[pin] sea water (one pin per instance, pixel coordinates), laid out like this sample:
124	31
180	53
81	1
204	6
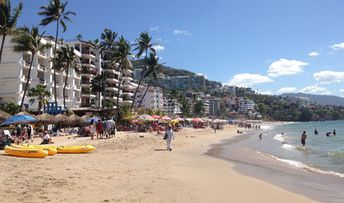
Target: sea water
322	154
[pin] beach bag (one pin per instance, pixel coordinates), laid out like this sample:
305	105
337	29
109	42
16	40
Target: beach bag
165	136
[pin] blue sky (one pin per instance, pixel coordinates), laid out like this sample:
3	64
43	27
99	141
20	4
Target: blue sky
272	46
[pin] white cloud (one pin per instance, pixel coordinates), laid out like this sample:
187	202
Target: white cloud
313	53
158	48
182	32
248	80
283	67
337	46
341	90
314	89
154	28
286	90
328	77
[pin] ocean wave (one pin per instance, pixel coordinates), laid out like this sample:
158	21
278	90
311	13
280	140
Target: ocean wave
300	165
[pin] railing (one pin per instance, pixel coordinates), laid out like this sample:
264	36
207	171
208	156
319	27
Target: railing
42	81
42	53
78	99
42	67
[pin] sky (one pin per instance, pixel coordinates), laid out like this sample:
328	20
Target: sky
272	46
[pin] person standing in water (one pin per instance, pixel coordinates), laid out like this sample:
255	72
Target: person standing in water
303	138
315	131
334	132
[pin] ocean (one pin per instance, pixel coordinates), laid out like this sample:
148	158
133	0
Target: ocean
322	154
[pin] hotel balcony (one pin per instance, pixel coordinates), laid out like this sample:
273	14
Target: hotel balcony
88	54
130	94
77	87
77	99
126	78
41	67
88	93
88	63
42	54
23	78
112	80
113	71
128	71
42	81
111	88
127	102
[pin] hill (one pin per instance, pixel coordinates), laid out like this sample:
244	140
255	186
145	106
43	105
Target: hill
319	99
171	71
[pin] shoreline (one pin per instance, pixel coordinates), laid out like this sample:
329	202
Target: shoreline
317	186
135	167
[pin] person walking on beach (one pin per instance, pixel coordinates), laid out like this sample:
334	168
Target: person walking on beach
169	137
303	138
260	136
99	129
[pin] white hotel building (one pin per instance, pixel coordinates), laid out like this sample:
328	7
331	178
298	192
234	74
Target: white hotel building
15	66
153	98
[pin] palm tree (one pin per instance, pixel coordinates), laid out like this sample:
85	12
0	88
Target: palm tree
143	45
106	45
8	21
152	73
121	55
41	94
79	37
28	40
98	85
67	60
55	11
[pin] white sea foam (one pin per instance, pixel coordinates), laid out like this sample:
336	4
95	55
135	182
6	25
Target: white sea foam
266	127
300	165
280	137
288	147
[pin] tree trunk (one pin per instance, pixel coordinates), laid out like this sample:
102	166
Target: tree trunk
144	95
54	60
39	107
64	88
103	85
28	80
137	89
141	78
2	47
118	91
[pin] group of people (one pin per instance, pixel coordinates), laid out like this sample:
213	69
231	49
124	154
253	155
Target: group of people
101	129
304	135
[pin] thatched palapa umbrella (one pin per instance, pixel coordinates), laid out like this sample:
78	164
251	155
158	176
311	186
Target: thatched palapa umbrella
74	119
60	118
4	116
46	119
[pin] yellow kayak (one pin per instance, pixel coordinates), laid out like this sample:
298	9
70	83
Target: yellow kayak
75	149
31	153
51	150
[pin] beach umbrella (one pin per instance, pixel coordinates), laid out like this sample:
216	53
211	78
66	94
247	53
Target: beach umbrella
156	116
45	118
166	118
4	115
197	120
86	118
174	121
145	117
19	119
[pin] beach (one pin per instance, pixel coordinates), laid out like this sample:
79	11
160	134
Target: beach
135	167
